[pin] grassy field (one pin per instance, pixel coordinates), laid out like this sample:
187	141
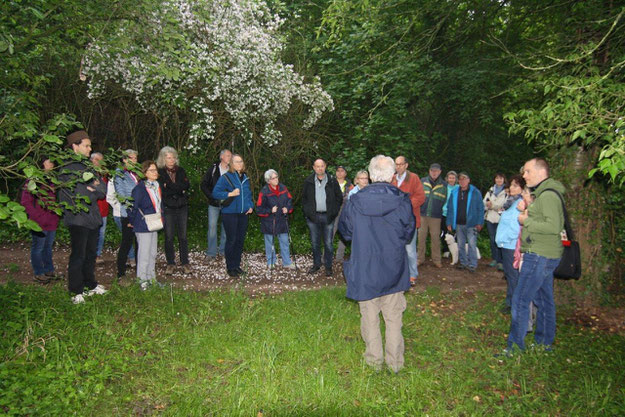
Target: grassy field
175	353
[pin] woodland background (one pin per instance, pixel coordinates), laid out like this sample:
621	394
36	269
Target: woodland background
478	85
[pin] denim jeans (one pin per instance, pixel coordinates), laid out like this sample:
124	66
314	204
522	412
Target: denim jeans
411	250
466	235
270	251
321	229
81	266
101	234
213	250
535	284
512	274
175	222
494	249
236	228
118	223
41	251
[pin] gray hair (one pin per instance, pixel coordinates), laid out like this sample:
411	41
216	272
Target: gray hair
223	151
160	161
129	152
381	168
95	154
269	173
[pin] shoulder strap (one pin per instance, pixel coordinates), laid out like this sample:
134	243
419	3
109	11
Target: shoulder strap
567	224
228	179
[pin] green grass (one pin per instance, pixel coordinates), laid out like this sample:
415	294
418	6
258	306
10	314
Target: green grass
223	353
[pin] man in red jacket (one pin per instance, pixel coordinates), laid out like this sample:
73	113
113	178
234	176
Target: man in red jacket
410	183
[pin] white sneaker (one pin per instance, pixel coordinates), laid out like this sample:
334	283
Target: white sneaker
145	285
78	299
99	289
289	266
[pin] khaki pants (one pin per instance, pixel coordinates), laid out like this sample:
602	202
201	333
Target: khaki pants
392	307
431	226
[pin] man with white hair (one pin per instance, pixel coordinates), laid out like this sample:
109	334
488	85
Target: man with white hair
380	222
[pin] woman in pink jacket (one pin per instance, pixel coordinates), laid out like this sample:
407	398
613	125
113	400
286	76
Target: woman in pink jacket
35	204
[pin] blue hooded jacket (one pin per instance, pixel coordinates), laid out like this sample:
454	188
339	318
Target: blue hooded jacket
380	223
241	203
475	208
508	228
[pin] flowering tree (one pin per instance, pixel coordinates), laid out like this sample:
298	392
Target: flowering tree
213	60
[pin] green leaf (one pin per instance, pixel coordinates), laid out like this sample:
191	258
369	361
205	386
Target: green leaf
19	216
86	176
4	198
29	171
52	139
32	185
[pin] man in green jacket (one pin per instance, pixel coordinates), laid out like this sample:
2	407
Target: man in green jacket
541	246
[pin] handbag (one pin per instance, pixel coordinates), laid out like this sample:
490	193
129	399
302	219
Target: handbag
570	266
226	202
154	221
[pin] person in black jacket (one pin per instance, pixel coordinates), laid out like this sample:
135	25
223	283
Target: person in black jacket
83	226
214	206
321	202
175	186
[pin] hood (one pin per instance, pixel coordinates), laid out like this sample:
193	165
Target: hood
549	183
378	199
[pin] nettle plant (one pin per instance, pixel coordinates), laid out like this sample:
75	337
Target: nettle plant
209	59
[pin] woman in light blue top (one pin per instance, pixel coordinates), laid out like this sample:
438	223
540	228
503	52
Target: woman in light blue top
508	234
361	180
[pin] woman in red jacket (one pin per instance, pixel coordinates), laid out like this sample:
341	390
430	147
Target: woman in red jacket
35	204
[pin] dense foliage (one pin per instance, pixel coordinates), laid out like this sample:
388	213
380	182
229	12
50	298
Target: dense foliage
466	83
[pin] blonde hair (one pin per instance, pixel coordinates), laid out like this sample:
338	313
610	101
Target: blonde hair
231	166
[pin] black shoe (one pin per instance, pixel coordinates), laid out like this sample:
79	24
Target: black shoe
460	266
233	273
313	269
42	279
239	270
328	272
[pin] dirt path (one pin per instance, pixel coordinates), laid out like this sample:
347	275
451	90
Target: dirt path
207	275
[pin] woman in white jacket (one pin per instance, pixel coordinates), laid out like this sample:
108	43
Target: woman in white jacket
493	205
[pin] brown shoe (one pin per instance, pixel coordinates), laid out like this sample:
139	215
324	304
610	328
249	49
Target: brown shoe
438	265
99	260
186	268
170	269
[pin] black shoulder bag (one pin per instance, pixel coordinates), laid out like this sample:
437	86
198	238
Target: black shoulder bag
570	266
229	200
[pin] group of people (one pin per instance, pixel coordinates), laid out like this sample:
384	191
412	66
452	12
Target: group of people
387	213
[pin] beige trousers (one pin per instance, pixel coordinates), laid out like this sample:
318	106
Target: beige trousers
431	226
392	307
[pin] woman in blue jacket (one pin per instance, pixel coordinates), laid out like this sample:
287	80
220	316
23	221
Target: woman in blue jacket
508	234
236	184
147	198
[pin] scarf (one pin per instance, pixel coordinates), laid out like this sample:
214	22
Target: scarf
172	173
510	201
497	189
152	189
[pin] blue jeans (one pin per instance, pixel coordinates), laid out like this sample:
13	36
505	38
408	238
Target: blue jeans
41	251
535	284
411	250
118	222
512	274
102	232
321	227
466	235
213	217
494	249
270	252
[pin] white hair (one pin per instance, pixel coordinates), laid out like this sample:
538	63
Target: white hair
381	168
160	161
269	173
94	155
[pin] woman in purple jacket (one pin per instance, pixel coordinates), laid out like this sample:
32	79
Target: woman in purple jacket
42	242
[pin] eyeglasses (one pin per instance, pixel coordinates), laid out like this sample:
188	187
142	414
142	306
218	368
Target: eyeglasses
152	170
273	178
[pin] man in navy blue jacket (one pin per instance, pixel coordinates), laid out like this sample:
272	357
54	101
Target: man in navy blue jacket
380	223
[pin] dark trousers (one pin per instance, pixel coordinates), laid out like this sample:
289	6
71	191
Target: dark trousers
175	223
81	268
321	231
494	249
236	228
128	238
